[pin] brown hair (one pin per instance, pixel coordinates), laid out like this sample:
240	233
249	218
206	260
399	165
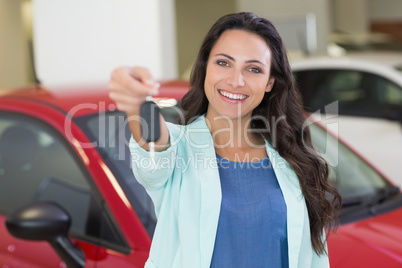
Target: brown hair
283	102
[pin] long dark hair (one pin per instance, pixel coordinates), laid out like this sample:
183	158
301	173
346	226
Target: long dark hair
284	104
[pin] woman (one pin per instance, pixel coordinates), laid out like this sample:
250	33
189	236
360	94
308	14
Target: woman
252	192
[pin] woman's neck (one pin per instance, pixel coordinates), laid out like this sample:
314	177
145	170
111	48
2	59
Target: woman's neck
226	131
234	138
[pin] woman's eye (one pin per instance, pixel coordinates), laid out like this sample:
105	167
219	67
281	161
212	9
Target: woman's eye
222	63
255	70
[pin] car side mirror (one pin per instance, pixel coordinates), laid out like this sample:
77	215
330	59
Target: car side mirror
50	222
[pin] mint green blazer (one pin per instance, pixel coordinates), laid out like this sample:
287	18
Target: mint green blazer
184	185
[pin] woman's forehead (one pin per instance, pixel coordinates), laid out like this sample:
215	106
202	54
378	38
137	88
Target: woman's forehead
242	45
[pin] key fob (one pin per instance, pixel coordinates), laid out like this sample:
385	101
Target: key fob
150	125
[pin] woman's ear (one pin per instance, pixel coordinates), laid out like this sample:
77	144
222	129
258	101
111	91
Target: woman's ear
270	84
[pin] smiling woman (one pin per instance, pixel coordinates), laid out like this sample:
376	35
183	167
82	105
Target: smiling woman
243	110
238	75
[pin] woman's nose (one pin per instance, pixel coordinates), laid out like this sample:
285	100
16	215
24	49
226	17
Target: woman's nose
236	79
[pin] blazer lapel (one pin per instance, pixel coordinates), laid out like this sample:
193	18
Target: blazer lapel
200	140
295	203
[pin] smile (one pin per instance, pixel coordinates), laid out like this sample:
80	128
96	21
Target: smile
232	96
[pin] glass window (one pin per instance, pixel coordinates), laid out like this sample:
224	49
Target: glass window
322	87
37	164
351	175
358	93
110	134
392	92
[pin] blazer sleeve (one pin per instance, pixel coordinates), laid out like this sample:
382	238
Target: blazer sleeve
154	176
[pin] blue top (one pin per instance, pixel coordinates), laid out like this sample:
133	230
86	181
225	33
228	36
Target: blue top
252	221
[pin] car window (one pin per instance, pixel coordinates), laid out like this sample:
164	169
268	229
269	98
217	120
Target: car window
322	87
110	135
37	164
392	93
358	93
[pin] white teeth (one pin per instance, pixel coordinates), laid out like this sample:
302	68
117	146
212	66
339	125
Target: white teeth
232	96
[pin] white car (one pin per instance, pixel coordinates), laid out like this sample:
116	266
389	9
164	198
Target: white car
363	93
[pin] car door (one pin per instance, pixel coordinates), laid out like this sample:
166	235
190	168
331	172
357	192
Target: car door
369	111
37	164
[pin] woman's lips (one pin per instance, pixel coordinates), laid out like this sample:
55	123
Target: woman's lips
232	96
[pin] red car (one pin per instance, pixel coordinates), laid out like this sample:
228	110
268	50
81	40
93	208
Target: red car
67	189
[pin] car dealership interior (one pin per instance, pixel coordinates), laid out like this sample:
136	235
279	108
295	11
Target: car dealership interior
76	189
104	34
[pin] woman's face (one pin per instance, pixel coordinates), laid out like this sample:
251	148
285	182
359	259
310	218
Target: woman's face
237	75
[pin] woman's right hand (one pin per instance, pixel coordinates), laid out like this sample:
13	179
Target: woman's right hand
129	86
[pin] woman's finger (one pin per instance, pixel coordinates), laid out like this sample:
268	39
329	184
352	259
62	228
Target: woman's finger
135	79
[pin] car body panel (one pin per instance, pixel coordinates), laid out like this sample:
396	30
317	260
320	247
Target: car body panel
366	243
384	132
20	253
90	98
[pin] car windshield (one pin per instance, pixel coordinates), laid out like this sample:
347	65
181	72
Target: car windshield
352	176
110	135
109	132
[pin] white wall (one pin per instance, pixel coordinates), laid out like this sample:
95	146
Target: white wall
78	42
351	16
194	19
273	9
385	9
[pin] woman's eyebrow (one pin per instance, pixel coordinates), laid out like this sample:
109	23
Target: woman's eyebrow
232	59
225	55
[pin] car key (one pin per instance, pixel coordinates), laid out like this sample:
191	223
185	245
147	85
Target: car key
150	125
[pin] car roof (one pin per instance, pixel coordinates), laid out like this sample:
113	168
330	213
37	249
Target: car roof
393	59
66	98
390	59
383	64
